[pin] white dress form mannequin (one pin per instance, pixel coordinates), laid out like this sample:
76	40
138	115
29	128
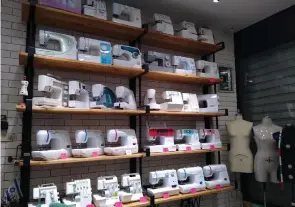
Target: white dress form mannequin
240	155
266	158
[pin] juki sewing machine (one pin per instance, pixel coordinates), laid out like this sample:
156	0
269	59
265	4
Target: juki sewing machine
163	24
170	183
47	192
79	95
216	176
191	178
95	8
158	61
126	56
207	69
187	30
174	101
210	138
191	138
67	45
94	141
79	193
102	97
208	102
206	35
125	98
190	102
184	65
97	51
150	100
127	142
52	145
131	189
158	131
120	12
108	192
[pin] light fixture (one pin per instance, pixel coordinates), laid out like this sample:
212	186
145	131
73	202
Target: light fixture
215	1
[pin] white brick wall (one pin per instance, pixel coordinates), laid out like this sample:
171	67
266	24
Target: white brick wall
13	34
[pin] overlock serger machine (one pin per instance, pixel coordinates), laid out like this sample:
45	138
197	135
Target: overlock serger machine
126	56
95	8
67	45
108	192
96	51
131	189
90	143
216	176
206	35
48	192
187	30
174	101
169	186
207	69
184	65
158	61
52	145
133	14
208	102
126	138
150	99
102	97
79	95
125	98
190	137
163	24
210	138
190	179
190	102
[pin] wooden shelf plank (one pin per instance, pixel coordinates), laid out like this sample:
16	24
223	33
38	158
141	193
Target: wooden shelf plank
171	113
80	66
137	204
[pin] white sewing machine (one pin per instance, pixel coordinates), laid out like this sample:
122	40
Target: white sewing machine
210	138
52	145
158	131
184	65
94	141
127	141
126	56
79	95
96	51
208	102
159	61
67	45
190	102
191	178
164	24
150	99
125	98
216	176
47	192
133	14
95	8
102	97
210	69
131	188
174	101
206	35
187	30
191	138
108	192
170	183
79	193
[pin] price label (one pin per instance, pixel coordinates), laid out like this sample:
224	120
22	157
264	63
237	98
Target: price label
63	156
143	199
94	154
90	205
188	149
212	80
193	190
118	204
212	147
128	152
165	195
218	187
165	149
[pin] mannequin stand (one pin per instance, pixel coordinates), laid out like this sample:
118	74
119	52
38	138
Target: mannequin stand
264	194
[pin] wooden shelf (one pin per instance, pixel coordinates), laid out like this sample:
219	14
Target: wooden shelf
137	204
80	66
172	113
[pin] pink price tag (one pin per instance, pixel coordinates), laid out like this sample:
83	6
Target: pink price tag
193	190
212	147
211	80
218	187
94	154
63	156
165	149
188	149
118	204
165	195
90	205
143	199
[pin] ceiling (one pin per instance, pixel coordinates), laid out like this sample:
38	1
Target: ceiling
226	14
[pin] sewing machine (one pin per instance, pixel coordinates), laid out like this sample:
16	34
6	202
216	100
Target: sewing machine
163	24
24	88
102	97
131	188
127	141
95	51
216	176
120	12
52	145
174	101
79	95
68	5
191	178
207	69
67	45
190	102
95	8
184	65
78	193
206	35
93	140
187	30
170	183
210	138
126	56
158	61
125	98
47	192
108	192
191	138
150	100
208	102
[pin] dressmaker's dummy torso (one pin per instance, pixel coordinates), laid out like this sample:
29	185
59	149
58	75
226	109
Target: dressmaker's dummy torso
266	158
240	155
